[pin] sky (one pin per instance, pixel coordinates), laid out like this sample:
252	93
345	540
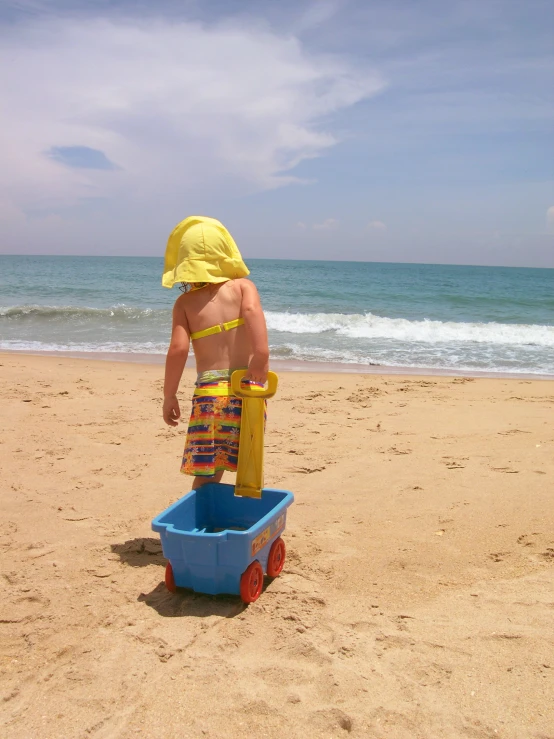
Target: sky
368	130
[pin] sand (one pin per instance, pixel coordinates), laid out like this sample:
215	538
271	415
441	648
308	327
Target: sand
417	598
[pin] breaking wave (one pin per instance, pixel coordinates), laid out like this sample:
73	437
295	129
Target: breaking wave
369	326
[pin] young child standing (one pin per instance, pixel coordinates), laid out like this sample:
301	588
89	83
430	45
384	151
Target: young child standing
220	311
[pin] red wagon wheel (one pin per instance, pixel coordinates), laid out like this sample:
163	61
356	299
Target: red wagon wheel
251	582
276	559
169	579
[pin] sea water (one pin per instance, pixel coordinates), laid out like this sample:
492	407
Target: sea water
437	317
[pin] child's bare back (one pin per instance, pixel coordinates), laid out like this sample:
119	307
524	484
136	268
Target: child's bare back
216	305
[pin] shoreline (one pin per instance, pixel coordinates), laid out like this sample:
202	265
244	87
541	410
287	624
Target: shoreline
292	365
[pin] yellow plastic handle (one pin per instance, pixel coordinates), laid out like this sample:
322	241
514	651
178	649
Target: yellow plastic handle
252	391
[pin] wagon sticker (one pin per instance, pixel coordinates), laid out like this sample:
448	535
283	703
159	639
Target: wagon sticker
262	539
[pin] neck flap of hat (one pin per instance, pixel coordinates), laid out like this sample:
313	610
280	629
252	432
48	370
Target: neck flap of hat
201	249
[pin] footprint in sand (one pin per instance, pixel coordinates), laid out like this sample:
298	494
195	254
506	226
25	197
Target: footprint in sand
454	464
498	556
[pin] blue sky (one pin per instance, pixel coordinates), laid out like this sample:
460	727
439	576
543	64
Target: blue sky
337	129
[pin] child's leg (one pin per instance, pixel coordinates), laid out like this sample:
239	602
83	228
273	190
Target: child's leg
200	480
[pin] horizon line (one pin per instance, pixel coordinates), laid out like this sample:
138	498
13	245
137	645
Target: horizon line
281	259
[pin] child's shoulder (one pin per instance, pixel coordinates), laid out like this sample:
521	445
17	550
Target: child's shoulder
180	302
244	283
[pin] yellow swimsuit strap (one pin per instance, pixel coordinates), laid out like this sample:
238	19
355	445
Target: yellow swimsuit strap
218	329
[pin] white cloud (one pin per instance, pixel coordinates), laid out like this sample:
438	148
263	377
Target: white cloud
377	225
330	224
178	107
550	219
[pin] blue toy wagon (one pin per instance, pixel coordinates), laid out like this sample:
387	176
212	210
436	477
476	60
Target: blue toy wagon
223	538
217	542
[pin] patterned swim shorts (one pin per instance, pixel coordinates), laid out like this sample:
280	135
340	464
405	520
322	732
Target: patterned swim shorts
212	443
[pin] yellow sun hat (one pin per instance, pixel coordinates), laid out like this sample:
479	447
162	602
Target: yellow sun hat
200	249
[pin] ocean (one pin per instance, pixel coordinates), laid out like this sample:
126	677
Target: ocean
351	315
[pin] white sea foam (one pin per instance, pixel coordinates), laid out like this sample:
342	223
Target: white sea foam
430	359
106	347
369	326
433	360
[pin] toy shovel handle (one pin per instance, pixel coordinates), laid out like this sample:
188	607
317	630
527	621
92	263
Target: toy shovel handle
253	391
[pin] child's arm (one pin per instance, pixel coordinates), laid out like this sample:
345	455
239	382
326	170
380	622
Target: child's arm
254	320
175	363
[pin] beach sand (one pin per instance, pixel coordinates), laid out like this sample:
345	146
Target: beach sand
417	598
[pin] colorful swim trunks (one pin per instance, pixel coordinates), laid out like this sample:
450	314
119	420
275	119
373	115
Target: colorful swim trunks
212	443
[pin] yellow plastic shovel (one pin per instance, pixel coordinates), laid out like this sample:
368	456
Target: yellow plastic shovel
250	468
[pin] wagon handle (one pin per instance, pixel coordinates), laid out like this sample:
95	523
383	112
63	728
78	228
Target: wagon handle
252	391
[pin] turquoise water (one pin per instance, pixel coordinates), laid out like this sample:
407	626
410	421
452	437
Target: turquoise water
490	319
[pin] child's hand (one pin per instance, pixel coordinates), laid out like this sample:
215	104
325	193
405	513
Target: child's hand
171	411
257	371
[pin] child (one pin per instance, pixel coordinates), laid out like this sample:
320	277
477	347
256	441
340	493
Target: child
222	314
